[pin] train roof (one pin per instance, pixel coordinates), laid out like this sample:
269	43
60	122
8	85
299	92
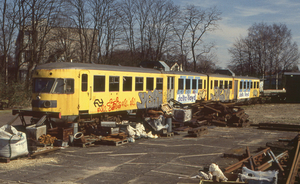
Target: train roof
219	75
92	66
185	73
245	77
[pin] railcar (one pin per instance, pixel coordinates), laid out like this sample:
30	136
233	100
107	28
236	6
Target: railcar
75	90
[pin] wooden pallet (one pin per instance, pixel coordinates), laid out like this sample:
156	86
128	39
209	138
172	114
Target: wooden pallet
114	141
84	144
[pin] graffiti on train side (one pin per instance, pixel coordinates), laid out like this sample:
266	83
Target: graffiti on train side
202	94
150	99
220	94
115	104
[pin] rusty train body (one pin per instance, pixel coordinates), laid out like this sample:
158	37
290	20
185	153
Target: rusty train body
73	90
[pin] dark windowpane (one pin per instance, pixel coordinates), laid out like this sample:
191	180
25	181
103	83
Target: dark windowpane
188	84
200	84
139	82
113	83
127	83
204	84
84	82
159	83
69	85
194	83
221	84
226	85
59	88
180	84
230	84
149	84
216	83
241	84
99	83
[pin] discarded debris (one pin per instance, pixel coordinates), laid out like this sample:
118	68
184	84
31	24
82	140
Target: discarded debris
220	114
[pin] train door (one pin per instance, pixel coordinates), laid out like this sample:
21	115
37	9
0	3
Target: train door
236	82
85	92
170	89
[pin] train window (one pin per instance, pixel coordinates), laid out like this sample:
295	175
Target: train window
69	86
180	84
221	84
42	85
226	85
170	82
139	83
84	82
241	84
245	84
59	86
149	84
230	84
188	84
211	84
64	86
257	85
113	83
254	85
204	84
159	83
127	83
200	83
194	83
99	83
216	83
251	85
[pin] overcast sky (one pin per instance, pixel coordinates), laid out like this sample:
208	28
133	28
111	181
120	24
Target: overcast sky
239	15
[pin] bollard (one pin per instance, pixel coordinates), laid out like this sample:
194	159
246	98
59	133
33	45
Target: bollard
169	122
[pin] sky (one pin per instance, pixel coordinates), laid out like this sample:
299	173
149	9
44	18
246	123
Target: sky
239	15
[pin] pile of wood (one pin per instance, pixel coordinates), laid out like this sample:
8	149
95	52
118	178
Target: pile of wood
221	114
46	139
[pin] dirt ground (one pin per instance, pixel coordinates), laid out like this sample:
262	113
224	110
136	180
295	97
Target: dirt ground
273	112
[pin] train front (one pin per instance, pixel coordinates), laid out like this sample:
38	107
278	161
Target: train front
54	92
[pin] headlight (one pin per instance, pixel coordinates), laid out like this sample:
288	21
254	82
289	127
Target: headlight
47	104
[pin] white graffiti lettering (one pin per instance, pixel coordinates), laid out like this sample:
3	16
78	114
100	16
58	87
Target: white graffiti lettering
150	99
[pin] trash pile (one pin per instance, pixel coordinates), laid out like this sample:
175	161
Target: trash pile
264	166
221	114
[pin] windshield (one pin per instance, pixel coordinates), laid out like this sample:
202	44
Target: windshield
43	85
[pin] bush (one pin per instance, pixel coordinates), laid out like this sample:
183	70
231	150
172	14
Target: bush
16	93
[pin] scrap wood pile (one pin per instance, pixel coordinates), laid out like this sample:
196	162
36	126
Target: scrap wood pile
283	162
46	139
221	114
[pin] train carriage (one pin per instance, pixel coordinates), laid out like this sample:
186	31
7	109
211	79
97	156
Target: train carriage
78	89
220	87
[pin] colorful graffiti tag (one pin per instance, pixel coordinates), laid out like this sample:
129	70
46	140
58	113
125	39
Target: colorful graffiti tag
220	94
150	99
112	105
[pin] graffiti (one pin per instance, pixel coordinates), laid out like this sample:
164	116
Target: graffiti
115	105
98	103
132	102
244	94
202	94
255	93
220	94
186	98
150	99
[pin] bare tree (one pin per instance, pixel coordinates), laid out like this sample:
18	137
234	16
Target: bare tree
127	14
267	50
200	22
8	25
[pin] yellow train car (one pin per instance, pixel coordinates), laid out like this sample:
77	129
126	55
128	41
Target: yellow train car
74	89
220	88
227	88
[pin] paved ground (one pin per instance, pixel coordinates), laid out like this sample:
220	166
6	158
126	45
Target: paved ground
163	160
